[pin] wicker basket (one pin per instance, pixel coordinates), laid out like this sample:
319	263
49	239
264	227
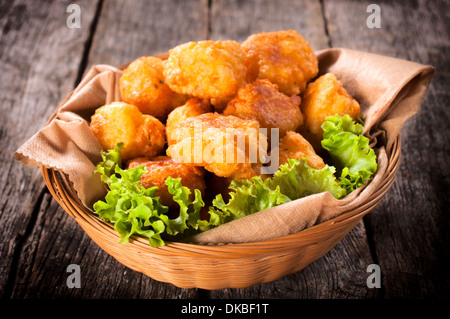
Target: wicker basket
219	266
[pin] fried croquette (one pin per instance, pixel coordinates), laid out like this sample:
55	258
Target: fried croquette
160	168
206	69
142	84
322	98
193	107
225	145
252	72
118	122
262	101
283	57
295	146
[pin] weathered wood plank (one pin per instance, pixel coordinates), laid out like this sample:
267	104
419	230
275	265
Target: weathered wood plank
58	242
237	20
39	59
410	227
128	30
341	273
40	56
125	30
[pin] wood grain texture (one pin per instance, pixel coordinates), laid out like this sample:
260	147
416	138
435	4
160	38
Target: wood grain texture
410	227
341	273
128	30
57	242
124	31
237	20
39	59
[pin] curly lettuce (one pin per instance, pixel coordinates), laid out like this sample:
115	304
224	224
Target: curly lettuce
292	181
349	150
248	197
135	210
354	162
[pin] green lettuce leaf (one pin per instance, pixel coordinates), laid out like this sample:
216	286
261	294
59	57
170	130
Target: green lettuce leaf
248	197
292	181
354	159
135	210
297	179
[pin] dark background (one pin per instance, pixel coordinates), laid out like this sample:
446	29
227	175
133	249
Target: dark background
42	60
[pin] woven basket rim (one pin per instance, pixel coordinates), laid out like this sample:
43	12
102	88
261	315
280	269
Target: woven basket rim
65	195
233	265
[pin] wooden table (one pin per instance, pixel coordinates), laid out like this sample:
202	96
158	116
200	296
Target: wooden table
42	60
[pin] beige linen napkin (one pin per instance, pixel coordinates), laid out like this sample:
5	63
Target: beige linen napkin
389	90
66	143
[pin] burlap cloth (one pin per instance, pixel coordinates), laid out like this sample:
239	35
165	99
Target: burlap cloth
389	90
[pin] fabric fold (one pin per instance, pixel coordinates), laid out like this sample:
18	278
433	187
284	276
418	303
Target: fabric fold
389	90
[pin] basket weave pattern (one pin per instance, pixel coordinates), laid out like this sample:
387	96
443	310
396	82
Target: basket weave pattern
219	266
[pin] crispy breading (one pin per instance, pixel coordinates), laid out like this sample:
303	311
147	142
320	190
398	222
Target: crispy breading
262	101
206	69
295	146
324	97
160	168
283	57
251	63
142	135
224	145
142	84
193	107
